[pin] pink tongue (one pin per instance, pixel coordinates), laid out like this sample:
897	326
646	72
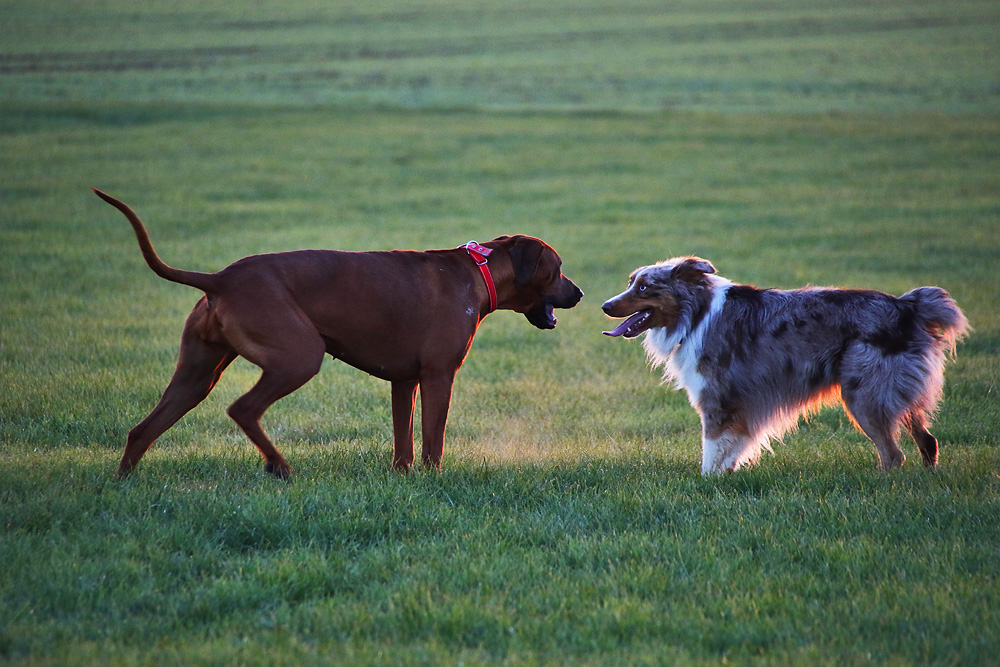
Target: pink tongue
624	326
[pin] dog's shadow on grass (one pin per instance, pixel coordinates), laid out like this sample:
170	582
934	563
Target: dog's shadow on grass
355	467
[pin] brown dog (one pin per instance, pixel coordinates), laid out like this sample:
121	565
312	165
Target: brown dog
403	316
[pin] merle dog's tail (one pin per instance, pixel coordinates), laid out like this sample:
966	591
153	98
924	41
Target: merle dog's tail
936	311
203	281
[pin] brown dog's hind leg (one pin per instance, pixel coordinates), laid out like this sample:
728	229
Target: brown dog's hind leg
283	371
199	367
404	396
251	406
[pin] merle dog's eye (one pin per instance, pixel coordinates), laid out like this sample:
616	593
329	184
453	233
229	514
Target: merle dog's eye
642	288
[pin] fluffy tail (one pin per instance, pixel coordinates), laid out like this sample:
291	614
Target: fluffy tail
202	281
938	312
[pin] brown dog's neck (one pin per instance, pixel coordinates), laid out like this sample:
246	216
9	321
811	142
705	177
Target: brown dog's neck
480	255
502	273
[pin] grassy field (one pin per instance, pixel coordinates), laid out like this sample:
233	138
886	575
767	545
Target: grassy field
788	142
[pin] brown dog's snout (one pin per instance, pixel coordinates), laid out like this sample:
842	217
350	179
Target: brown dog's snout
568	295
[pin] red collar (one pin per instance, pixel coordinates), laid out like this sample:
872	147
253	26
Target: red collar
479	254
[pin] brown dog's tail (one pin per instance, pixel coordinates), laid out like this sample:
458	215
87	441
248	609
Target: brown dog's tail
202	281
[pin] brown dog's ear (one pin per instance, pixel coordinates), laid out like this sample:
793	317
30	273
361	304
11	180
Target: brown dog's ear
525	255
693	270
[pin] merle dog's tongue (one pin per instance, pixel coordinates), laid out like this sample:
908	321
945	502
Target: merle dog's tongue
624	326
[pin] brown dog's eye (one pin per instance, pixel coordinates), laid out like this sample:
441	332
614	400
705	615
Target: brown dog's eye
642	288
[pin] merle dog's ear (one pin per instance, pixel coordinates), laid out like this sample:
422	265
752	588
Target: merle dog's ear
525	255
694	270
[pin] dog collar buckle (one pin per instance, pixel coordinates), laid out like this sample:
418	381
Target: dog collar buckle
479	253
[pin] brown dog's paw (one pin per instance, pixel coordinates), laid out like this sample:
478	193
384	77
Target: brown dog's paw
281	470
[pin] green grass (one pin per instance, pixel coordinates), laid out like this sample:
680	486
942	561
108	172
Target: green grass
789	143
745	55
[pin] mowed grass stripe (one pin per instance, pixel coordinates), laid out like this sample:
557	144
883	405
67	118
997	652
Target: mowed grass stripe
634	55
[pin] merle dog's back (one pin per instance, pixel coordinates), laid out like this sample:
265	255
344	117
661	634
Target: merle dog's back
883	355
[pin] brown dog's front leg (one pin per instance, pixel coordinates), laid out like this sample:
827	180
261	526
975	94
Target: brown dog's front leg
404	395
435	399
